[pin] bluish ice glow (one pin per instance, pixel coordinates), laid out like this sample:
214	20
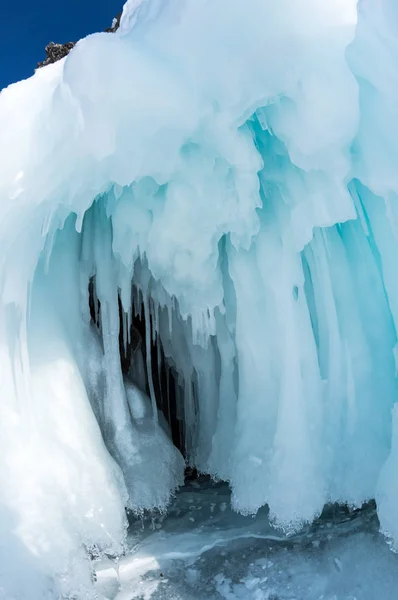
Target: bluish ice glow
236	163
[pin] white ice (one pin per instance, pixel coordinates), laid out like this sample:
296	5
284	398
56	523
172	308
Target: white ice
236	163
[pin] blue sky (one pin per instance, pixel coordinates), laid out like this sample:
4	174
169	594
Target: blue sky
28	25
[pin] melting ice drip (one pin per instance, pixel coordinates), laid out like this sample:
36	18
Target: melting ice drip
223	179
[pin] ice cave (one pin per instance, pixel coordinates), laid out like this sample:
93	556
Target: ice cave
199	308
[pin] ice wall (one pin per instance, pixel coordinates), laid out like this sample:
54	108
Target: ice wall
226	171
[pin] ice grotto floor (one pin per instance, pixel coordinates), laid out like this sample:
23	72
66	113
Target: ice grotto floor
202	550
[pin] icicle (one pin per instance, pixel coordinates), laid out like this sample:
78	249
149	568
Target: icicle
154	321
168	389
141	304
170	319
159	369
125	331
136	301
180	411
129	323
149	360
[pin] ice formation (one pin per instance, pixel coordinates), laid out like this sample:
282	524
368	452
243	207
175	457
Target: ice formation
221	176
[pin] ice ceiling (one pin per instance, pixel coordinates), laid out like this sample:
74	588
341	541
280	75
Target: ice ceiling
198	229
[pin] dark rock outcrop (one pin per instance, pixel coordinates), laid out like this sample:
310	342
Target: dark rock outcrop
115	24
55	52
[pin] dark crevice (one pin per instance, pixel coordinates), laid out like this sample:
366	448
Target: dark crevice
164	375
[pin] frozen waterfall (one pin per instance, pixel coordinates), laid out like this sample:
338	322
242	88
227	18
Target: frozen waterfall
198	266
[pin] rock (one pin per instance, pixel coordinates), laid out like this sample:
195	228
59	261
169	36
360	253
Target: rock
115	24
55	52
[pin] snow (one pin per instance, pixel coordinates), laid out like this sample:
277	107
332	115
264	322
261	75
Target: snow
224	174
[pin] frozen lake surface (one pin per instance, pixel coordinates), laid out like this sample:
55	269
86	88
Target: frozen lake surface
203	550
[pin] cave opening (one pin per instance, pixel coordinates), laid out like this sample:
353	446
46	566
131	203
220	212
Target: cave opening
133	346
